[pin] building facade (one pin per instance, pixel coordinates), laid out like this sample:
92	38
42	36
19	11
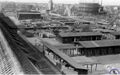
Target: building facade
71	37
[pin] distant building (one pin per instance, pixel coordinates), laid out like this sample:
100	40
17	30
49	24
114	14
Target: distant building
23	15
89	7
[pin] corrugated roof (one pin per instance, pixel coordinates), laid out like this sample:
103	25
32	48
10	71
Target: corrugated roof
28	12
100	43
67	46
71	34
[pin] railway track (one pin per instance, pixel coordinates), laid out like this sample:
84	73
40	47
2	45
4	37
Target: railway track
31	60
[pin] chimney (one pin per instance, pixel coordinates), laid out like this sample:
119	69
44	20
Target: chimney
0	7
50	5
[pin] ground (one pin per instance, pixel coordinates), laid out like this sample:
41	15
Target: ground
107	62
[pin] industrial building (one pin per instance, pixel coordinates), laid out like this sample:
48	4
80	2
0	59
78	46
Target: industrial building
47	43
71	37
89	7
23	15
103	47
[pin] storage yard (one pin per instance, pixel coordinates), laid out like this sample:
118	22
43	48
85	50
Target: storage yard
63	39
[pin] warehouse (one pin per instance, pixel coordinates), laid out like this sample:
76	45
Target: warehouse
91	48
87	48
89	7
71	37
28	15
98	48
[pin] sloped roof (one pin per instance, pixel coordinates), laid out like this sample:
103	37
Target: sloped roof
65	57
100	43
71	34
115	33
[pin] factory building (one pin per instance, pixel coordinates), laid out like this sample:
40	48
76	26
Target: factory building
71	37
89	7
87	48
65	62
92	8
97	48
91	48
23	15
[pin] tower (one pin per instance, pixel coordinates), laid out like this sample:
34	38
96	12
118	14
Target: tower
50	5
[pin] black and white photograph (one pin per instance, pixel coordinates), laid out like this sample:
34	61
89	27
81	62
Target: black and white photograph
59	37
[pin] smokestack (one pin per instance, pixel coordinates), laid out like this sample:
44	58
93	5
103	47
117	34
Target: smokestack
0	7
101	2
50	5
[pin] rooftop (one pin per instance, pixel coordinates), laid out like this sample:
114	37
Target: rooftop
104	30
51	41
67	46
85	60
65	57
100	43
57	44
28	12
115	33
71	34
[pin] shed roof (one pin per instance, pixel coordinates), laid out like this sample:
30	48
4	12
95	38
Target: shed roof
67	46
100	43
65	57
52	42
73	34
115	33
28	12
58	44
85	60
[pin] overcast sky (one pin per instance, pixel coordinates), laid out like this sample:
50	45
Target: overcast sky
105	2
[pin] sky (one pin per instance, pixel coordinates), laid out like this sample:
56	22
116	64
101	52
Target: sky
105	2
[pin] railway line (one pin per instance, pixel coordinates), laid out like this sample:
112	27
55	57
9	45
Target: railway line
31	60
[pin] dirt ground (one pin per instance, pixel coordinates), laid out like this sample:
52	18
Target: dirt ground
107	62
